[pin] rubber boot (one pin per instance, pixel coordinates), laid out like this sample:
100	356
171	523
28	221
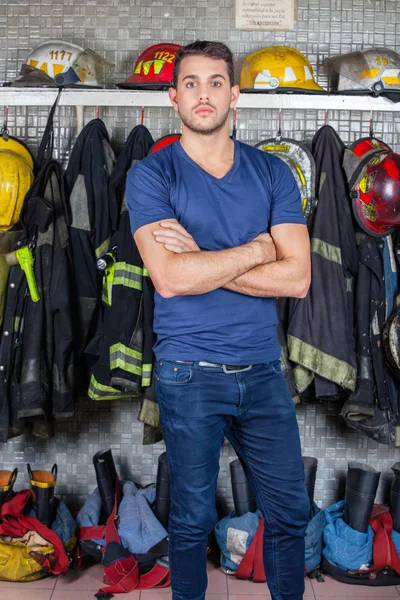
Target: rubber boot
43	484
361	485
310	475
7	480
395	497
163	499
106	476
242	495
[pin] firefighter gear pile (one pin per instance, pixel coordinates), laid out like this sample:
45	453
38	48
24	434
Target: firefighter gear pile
134	544
29	547
361	539
240	534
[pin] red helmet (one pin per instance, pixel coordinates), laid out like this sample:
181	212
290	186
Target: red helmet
154	68
374	182
364	145
166	140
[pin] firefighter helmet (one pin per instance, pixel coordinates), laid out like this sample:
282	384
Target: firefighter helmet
364	145
166	140
16	177
375	71
154	68
12	144
374	182
391	342
278	69
58	63
301	162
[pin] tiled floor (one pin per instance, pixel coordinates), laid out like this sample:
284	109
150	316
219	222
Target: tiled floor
82	585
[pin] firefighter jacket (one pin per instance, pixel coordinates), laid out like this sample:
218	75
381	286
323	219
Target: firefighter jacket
87	178
36	356
372	407
319	328
125	355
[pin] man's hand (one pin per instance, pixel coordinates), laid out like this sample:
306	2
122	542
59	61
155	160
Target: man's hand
266	246
174	237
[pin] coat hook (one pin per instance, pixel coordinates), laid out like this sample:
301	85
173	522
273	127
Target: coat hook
234	123
279	134
371	126
142	117
326	117
98	112
4	131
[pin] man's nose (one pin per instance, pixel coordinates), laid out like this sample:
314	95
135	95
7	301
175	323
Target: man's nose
203	93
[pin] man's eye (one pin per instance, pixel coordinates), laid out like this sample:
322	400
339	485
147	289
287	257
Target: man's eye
216	83
190	84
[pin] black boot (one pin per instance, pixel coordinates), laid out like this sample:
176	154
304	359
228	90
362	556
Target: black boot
242	495
361	485
7	480
42	485
310	475
106	476
163	499
395	497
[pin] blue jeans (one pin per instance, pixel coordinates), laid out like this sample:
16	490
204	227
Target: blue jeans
254	410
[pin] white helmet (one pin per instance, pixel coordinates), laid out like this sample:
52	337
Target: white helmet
375	71
58	63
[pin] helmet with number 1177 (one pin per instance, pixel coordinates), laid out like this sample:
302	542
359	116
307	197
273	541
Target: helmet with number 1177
58	63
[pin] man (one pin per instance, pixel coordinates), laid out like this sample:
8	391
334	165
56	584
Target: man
219	226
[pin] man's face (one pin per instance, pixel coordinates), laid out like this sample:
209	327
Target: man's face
203	95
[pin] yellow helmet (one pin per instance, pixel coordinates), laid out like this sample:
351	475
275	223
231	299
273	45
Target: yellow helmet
16	177
12	144
278	68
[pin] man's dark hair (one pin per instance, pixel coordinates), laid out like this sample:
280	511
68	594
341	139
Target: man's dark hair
215	50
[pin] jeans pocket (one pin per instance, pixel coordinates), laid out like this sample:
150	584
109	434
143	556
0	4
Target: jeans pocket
275	366
171	372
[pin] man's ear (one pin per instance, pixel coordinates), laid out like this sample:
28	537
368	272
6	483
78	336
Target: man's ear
172	93
235	93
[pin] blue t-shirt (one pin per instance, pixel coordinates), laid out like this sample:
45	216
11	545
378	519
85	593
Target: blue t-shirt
259	191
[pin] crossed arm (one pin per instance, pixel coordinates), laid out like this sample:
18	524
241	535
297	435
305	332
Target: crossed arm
269	266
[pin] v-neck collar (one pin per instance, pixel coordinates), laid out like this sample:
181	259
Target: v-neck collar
219	181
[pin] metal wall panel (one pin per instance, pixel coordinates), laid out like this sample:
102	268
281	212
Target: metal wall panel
120	29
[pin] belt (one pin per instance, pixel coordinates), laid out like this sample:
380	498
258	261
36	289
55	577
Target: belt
225	368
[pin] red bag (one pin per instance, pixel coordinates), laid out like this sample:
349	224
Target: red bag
121	570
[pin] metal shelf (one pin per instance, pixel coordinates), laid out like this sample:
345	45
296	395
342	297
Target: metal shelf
114	97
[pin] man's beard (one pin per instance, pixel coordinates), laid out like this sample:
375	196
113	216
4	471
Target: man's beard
206	128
